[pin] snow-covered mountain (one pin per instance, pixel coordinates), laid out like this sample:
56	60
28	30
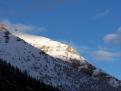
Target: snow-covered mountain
53	63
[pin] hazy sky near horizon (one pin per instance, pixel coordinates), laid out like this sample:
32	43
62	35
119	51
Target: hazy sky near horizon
93	27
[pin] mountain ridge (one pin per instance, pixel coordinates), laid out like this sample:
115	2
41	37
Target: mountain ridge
68	75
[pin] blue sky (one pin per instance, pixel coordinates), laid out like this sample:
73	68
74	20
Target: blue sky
93	27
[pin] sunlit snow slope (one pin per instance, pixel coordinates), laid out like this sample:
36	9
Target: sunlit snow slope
53	48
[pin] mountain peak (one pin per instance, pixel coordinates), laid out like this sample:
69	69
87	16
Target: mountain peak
3	27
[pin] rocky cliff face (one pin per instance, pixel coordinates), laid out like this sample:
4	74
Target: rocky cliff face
54	63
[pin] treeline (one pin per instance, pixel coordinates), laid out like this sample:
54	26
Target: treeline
12	79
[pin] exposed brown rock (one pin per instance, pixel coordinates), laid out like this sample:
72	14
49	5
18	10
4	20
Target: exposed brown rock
3	27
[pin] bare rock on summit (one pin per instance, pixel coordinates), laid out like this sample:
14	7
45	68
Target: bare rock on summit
3	27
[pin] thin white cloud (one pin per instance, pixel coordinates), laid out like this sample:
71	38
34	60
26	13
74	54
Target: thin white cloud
105	55
100	47
85	49
22	28
101	53
113	38
101	14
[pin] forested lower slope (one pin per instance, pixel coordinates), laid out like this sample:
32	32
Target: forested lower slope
12	79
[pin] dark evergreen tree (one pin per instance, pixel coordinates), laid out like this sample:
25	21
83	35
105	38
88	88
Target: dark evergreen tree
12	79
